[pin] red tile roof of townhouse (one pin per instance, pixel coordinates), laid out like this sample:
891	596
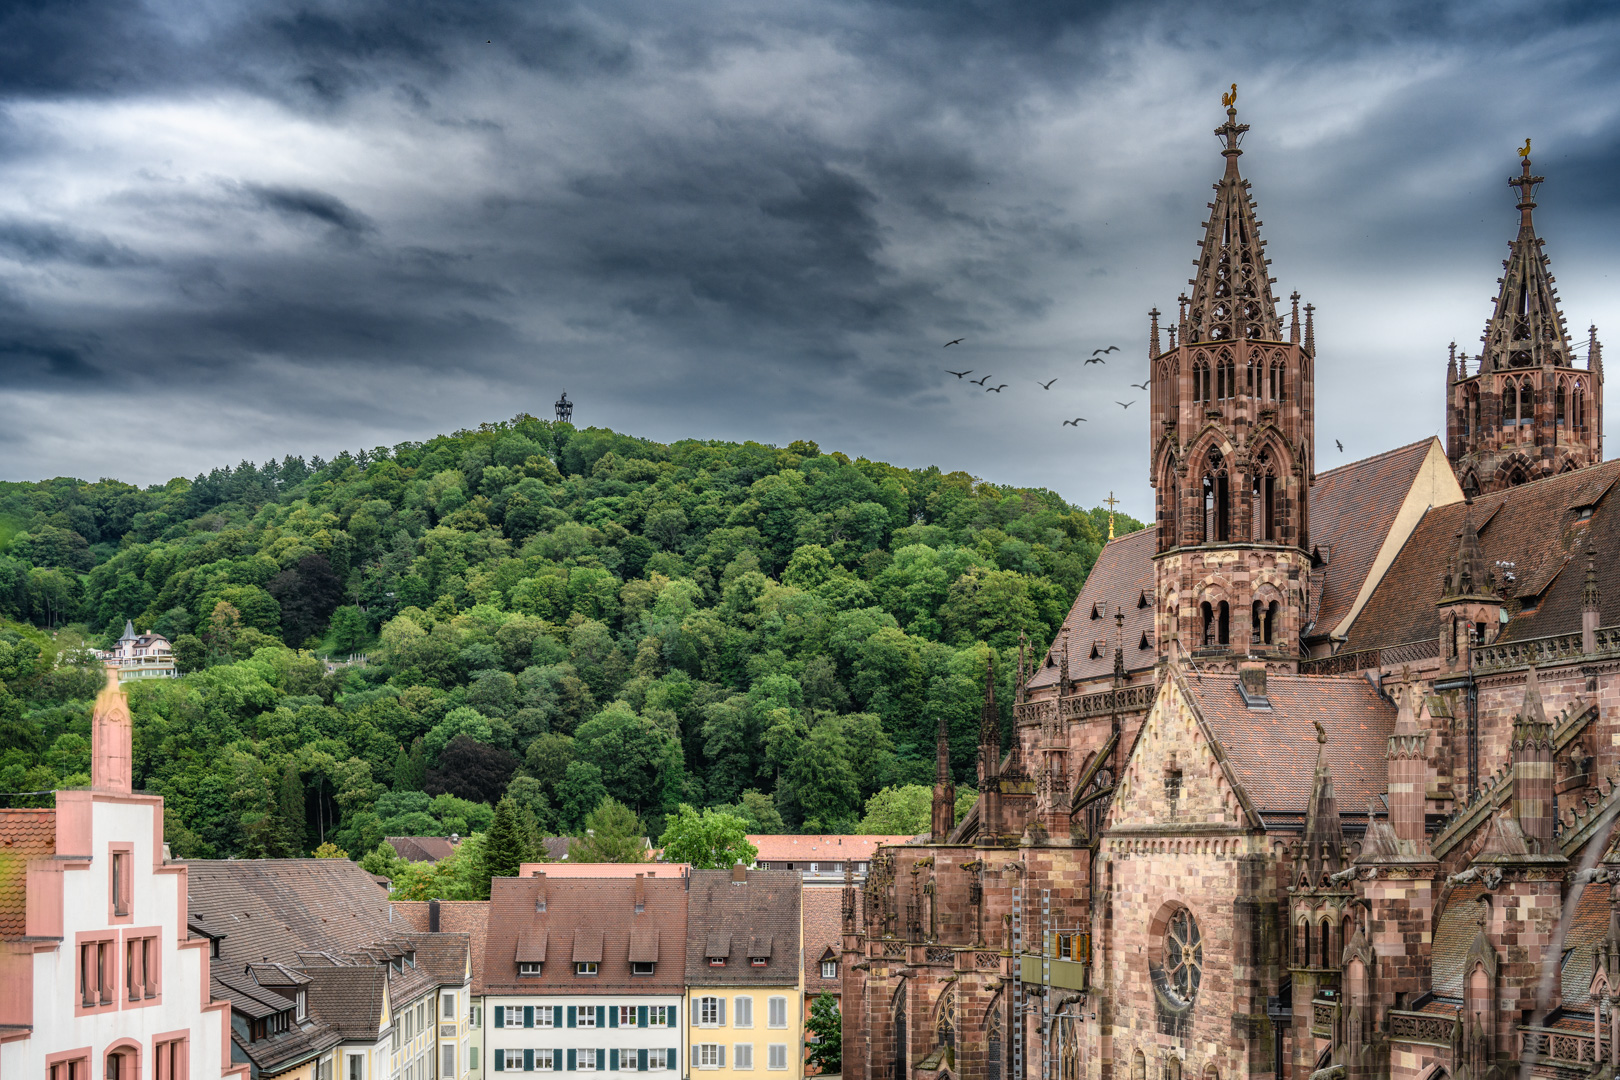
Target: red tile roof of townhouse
796	848
659	870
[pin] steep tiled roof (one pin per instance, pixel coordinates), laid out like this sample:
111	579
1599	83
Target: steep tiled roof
1453	937
271	909
349	998
1273	753
24	835
422	848
808	847
1120	580
603	869
1351	511
823	930
761	917
591	908
1535	532
1589	926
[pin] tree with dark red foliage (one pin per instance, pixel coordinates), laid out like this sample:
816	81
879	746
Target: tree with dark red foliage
308	594
469	769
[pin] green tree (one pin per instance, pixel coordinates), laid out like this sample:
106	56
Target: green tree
580	793
612	833
410	767
826	1042
349	631
506	846
709	840
899	811
290	812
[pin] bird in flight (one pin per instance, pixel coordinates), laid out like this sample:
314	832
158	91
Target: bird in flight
1126	404
980	382
959	374
1076	422
958	341
1140	385
1111	348
1096	360
1046	385
1339	444
995	389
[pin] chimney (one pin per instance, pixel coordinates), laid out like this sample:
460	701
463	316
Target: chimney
641	893
739	873
111	738
433	916
540	890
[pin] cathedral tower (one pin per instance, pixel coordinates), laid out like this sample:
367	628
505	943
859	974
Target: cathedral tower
1233	446
1526	411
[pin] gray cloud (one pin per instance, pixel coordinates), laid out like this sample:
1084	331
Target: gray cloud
303	226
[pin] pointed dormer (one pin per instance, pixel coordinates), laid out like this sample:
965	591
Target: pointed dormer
1528	411
1470	609
1233	434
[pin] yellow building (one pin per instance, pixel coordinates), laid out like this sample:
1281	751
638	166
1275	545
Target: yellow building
744	974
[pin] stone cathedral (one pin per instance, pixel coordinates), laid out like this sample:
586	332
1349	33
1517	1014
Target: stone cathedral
1319	779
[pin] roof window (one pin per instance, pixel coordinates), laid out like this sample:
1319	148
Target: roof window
531	969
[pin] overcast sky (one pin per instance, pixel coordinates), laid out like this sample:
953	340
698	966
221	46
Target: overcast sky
239	230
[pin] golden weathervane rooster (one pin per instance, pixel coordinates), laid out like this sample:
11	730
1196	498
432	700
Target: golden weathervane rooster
1524	151
1228	100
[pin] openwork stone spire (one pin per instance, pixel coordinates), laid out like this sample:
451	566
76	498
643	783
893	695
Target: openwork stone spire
1231	296
1526	329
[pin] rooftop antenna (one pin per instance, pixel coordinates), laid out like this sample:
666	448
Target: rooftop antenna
565	409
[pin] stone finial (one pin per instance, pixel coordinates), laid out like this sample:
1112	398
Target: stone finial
112	740
1153	334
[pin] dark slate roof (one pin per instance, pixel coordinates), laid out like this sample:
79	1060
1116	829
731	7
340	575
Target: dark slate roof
751	916
1536	527
24	835
601	913
1120	579
1352	509
349	998
1273	753
421	848
823	931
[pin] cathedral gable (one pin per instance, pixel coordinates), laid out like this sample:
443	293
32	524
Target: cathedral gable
1176	772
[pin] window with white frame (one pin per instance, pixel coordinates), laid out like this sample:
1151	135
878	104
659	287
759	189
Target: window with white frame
829	969
585	1060
778	1012
447	1060
659	1059
587	1016
657	1016
585	967
546	1016
447	1004
742	1013
627	1016
357	1067
742	1056
546	1059
778	1056
530	970
628	1060
514	1060
707	1055
708	1012
642	967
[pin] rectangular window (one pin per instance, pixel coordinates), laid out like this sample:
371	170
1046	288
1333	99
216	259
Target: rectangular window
778	1012
546	1059
171	1061
585	967
743	1013
742	1056
587	1016
641	967
708	1012
357	1067
120	887
587	1061
627	1016
829	969
778	1058
629	1060
447	1060
544	1016
707	1055
717	961
472	1057
475	1015
529	970
658	1016
660	1059
447	1004
513	1060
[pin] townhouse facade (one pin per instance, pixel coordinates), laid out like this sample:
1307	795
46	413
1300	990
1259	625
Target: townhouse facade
98	974
584	975
745	981
322	982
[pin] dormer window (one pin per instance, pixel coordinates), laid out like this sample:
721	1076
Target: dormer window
757	961
641	967
585	967
530	970
717	961
301	1008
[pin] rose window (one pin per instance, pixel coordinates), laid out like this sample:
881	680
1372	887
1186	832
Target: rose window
1183	955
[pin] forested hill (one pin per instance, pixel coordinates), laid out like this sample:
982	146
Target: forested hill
551	613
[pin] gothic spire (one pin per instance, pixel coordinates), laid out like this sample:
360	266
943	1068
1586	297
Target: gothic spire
942	753
989	718
1231	295
1526	329
1324	836
1470	574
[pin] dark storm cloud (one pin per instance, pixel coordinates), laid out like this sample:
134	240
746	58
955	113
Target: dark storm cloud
260	228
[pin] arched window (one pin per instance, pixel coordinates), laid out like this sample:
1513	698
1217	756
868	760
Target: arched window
1200	374
1225	379
900	1071
1252	373
1327	954
1223	623
1577	405
1208	612
1263	622
1510	403
1263	498
1138	1066
1217	510
1304	944
1527	401
1276	388
1560	400
1269	623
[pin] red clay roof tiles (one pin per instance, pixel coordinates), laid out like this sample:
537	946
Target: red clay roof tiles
1121	577
599	911
744	921
24	835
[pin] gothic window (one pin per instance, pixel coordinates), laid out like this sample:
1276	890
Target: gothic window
1200	373
1275	390
1510	403
1263	495
1209	623
1138	1066
1327	954
1216	514
1183	956
1223	623
1251	378
1172	1067
993	1042
1304	944
1225	379
1577	405
1527	401
1560	398
900	1070
945	1020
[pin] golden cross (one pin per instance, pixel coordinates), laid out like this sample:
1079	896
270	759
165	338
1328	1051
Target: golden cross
1112	502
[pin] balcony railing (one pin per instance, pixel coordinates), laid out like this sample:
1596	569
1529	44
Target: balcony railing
1323	1016
1433	1029
1569	1049
1082	706
1365	659
1554	649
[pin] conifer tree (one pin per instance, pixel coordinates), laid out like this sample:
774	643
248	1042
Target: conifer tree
612	833
505	845
290	812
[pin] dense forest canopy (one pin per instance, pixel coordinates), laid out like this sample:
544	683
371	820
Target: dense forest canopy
527	610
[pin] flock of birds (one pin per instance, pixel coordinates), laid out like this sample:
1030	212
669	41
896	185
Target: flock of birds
1098	356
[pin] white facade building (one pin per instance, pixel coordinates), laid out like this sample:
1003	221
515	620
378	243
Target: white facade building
99	977
140	656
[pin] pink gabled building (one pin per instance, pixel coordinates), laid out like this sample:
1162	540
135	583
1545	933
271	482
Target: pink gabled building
99	975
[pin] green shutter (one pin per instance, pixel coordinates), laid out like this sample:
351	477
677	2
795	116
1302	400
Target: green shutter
528	1061
674	1059
613	1060
675	1016
528	1016
613	1017
556	1016
600	1056
571	1052
500	1057
571	1015
641	1061
600	1009
500	1016
641	1016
